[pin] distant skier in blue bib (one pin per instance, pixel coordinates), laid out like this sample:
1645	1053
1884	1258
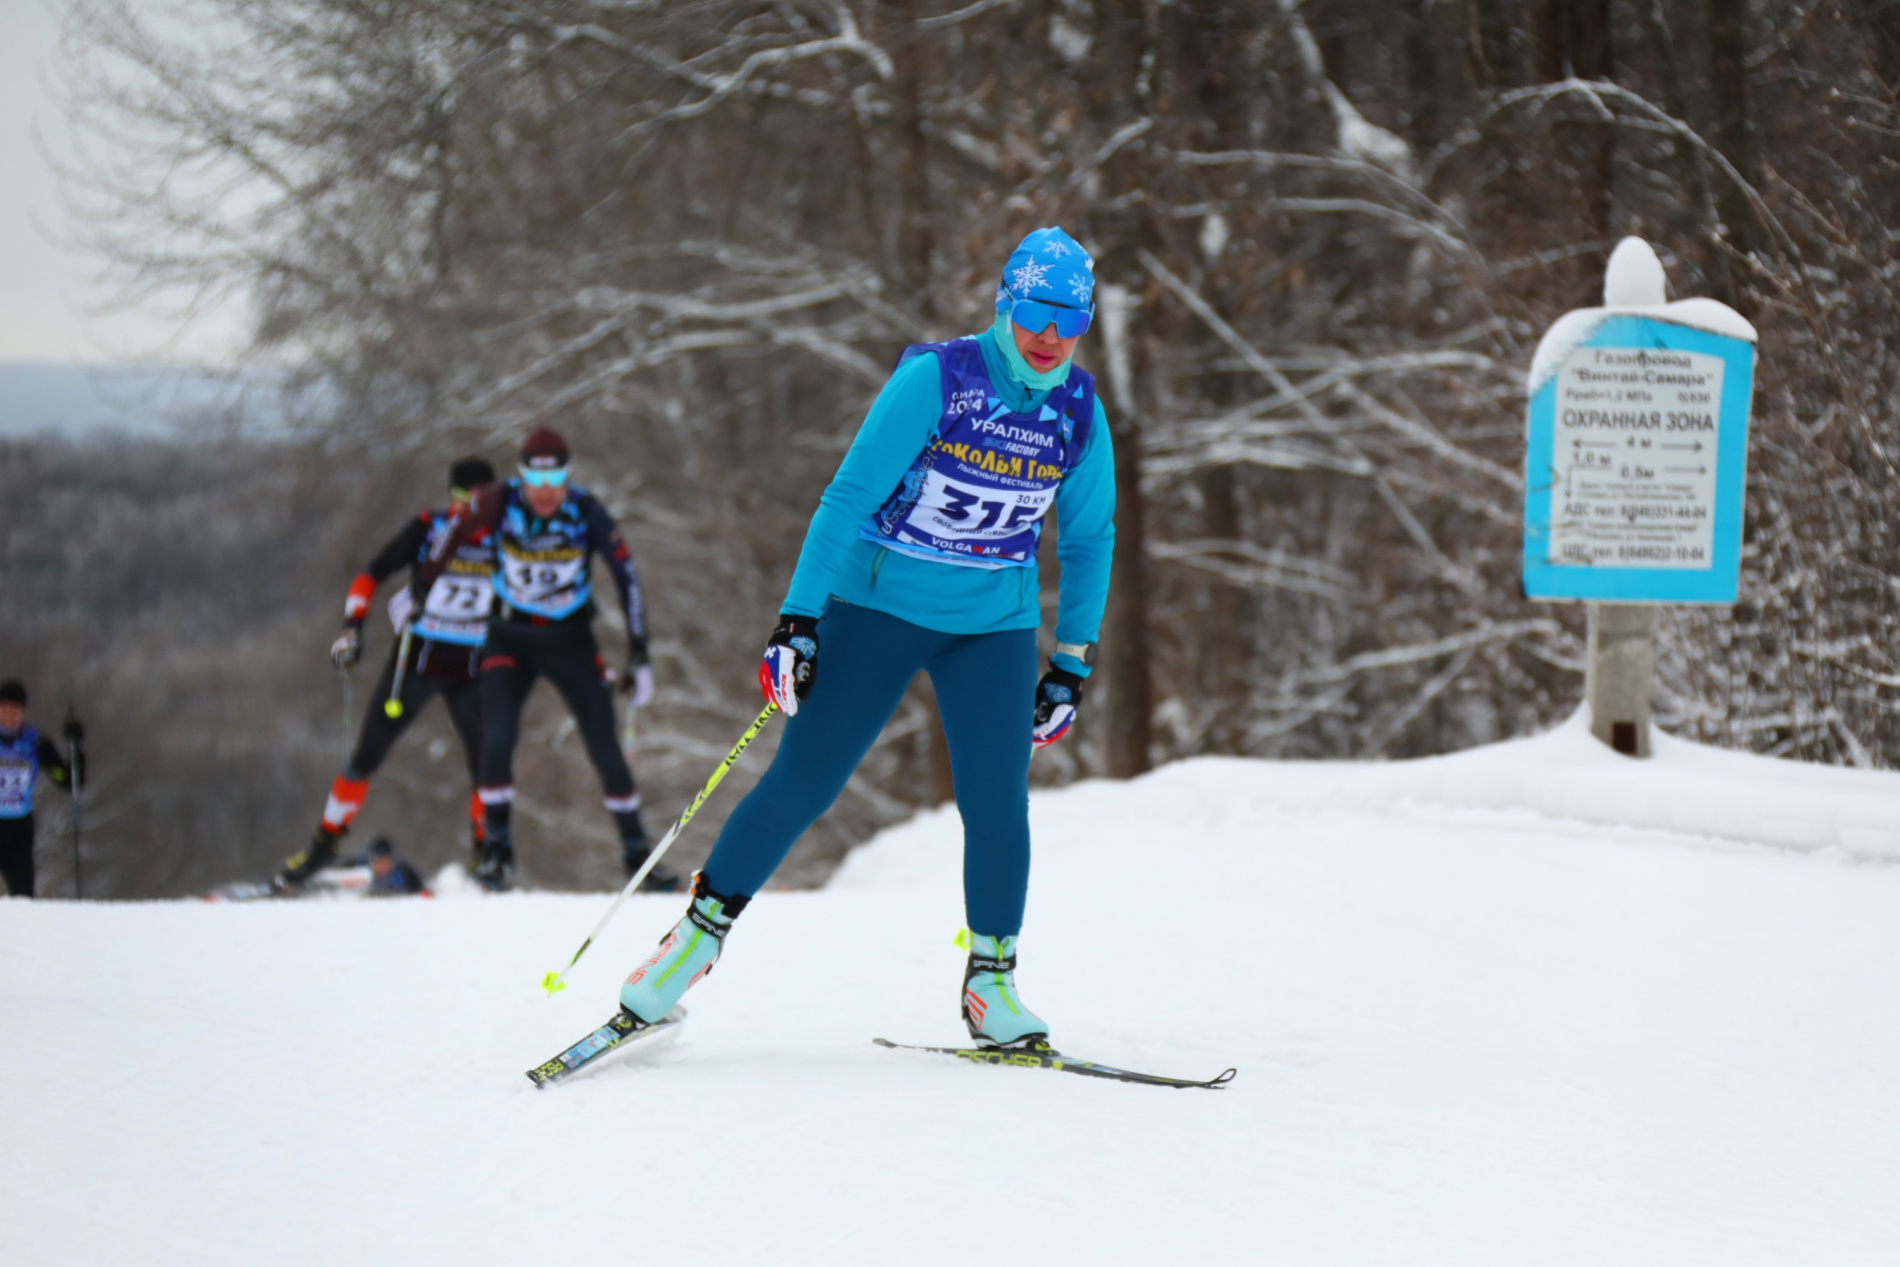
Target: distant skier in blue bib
922	556
25	754
390	874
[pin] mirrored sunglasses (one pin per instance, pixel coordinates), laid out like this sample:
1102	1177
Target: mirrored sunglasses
1035	316
545	477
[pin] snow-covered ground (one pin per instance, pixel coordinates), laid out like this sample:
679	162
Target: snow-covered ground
1534	1004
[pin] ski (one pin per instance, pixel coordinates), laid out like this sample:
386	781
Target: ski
1043	1056
245	891
336	882
624	1028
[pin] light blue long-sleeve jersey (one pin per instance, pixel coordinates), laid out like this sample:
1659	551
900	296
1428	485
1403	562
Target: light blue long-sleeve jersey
945	596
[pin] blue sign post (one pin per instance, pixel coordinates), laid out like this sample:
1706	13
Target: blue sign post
1637	465
1635	471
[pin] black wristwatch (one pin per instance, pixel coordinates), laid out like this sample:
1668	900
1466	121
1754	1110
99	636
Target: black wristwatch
1085	652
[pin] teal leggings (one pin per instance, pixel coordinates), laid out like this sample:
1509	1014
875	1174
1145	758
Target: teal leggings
986	689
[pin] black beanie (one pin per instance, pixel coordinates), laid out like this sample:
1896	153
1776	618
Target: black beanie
544	449
13	691
470	473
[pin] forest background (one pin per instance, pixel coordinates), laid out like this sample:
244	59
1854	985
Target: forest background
694	236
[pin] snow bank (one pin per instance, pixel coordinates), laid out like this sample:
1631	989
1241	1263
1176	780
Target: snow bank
1564	783
1534	1004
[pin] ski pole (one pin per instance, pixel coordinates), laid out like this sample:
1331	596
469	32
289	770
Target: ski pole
72	765
392	707
348	671
553	982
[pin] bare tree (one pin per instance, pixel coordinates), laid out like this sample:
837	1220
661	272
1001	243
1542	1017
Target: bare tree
1328	234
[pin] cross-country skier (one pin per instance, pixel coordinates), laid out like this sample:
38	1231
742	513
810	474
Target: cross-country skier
922	556
25	754
449	625
547	534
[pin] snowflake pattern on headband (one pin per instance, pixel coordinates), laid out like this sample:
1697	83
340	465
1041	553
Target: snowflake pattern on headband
1030	275
1081	285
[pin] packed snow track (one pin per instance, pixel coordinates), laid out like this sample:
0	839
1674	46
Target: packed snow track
1534	1004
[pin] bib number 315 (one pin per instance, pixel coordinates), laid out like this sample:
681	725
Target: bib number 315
982	512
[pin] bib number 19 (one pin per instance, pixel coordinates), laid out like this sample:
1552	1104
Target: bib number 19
533	581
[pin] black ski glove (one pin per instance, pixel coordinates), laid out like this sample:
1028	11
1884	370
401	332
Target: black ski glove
1058	695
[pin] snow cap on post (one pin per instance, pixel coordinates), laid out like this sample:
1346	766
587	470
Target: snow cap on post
1051	266
1635	276
1634	286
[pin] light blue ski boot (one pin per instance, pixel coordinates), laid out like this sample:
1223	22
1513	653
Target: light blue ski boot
685	955
991	1007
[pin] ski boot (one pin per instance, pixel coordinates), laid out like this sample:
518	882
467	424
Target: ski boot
496	870
659	880
634	848
306	862
477	833
686	954
992	1009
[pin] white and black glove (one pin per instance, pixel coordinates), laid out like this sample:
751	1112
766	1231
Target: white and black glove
402	606
638	683
348	648
1058	695
788	669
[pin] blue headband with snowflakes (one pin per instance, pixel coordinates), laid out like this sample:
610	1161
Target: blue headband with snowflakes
1049	279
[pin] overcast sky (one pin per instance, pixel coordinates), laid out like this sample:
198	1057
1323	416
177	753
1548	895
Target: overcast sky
47	294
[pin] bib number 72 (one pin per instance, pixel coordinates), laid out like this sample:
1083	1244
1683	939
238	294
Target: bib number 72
459	598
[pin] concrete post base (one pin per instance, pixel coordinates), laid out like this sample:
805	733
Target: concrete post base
1622	664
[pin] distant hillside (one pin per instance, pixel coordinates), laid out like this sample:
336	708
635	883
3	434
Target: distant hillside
40	396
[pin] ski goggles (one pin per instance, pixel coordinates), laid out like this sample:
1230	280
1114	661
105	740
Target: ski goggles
1035	316
543	477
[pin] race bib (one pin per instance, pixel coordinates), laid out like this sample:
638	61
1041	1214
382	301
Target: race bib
977	495
459	598
16	786
953	511
536	581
